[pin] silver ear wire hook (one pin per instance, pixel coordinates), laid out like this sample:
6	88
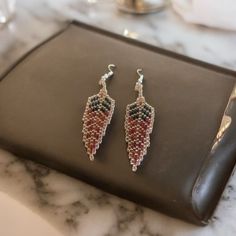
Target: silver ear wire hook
106	76
141	76
110	73
111	67
139	83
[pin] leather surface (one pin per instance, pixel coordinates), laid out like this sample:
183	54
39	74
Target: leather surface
43	97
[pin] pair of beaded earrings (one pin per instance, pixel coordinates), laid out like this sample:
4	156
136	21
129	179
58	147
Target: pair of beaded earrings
139	121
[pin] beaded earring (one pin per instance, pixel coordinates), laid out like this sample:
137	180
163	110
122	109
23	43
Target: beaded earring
98	113
139	121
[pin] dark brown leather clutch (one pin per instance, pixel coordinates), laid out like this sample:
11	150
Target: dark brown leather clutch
193	144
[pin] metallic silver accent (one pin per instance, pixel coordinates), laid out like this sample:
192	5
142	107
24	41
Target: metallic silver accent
141	76
106	76
142	6
139	85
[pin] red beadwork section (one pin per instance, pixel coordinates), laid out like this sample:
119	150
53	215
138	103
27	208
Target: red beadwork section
96	118
138	127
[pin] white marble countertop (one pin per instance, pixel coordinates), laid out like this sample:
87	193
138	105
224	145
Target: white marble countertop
70	206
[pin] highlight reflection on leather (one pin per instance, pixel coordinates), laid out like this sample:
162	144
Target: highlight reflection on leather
226	121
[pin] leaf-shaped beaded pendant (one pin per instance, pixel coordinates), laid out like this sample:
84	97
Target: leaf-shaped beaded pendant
97	116
139	121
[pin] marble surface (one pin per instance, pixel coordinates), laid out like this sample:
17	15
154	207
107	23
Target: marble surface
70	206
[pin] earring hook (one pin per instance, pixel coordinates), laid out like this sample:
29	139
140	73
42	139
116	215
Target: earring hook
110	73
141	76
111	67
106	76
139	83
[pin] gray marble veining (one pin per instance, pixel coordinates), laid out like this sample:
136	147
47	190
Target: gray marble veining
71	206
